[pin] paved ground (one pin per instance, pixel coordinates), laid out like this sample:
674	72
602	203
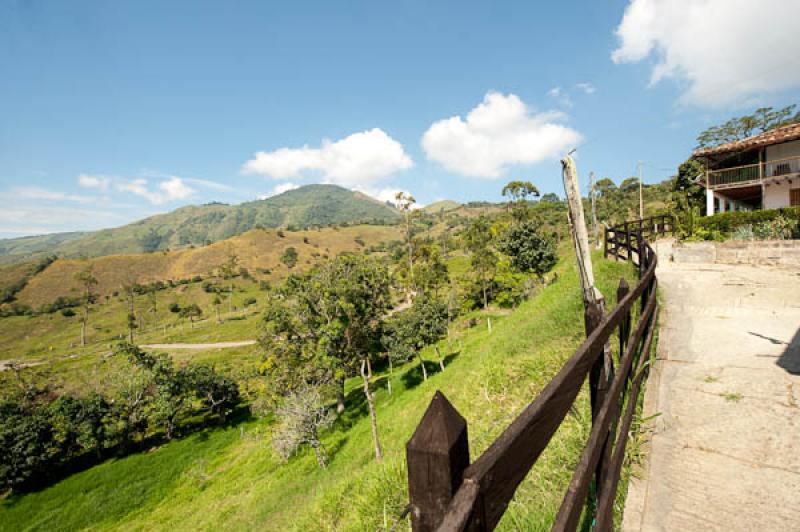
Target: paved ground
725	452
217	345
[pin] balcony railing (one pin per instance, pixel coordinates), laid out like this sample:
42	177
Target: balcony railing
753	173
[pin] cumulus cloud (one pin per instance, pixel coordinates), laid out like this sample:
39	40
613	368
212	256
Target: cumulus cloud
715	49
279	189
171	189
499	132
358	159
94	181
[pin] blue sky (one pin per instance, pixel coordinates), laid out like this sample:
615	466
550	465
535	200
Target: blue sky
112	111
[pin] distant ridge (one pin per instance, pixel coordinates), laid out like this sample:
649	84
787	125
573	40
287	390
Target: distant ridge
307	206
441	206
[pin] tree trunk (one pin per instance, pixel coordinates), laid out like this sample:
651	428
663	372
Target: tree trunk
320	452
340	397
422	363
391	374
83	331
483	288
373	417
441	359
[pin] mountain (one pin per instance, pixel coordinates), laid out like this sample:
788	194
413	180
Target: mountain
308	206
441	206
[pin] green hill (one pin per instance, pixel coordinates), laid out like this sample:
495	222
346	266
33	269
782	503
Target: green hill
441	206
312	205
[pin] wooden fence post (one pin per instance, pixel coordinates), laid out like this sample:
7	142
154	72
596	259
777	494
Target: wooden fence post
599	378
437	455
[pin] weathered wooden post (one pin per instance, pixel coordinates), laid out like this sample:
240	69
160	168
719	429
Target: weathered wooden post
593	302
437	455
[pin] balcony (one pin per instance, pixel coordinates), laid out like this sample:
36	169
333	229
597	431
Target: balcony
752	174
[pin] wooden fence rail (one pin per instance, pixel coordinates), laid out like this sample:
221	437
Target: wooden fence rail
622	240
448	493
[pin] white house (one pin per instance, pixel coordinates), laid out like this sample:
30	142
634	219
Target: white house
759	172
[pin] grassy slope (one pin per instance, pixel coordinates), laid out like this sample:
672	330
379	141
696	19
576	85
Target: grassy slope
228	478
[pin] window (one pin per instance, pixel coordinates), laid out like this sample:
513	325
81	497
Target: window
794	197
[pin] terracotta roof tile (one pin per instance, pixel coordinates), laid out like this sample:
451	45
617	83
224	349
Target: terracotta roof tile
768	138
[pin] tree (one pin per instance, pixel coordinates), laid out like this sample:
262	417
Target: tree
519	192
763	119
528	249
192	311
216	302
327	324
604	187
629	184
405	202
289	257
170	390
550	197
88	282
430	270
424	323
478	240
218	393
229	271
302	415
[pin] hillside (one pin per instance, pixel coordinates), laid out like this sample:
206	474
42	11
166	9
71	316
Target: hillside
441	206
232	470
308	206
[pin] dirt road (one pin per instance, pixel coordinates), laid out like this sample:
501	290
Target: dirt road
725	452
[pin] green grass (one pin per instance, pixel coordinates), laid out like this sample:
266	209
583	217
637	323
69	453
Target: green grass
228	478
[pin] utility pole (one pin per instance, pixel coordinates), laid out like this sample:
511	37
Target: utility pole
594	209
641	201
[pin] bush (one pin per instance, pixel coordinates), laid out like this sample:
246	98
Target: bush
779	228
68	313
174	308
727	222
249	301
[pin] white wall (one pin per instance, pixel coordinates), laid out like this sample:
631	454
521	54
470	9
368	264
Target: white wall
776	195
783	151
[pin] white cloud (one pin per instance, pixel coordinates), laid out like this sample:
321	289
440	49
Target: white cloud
560	96
586	87
43	194
30	220
279	189
358	159
94	181
171	189
499	132
722	52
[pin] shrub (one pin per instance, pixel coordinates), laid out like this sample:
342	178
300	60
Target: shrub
727	222
174	308
67	312
779	228
249	301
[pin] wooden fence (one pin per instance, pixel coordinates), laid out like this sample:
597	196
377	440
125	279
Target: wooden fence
622	241
448	493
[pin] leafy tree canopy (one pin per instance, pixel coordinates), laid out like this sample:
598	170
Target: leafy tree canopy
738	128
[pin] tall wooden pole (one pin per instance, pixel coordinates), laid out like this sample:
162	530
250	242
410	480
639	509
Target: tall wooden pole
580	237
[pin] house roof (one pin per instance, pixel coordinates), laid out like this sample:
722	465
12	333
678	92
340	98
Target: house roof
768	138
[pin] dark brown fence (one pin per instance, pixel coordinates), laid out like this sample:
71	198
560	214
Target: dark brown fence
449	493
622	241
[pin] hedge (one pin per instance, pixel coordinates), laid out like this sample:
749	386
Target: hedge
727	222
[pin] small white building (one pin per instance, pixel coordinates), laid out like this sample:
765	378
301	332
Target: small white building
759	172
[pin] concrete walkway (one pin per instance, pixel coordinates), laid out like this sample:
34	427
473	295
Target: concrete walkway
725	450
